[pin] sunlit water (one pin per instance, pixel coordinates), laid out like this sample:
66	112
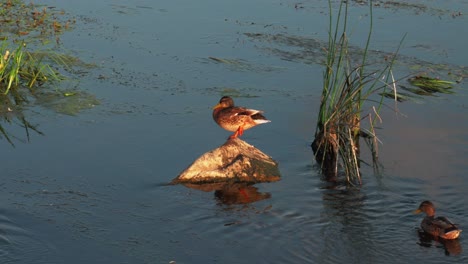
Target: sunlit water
93	189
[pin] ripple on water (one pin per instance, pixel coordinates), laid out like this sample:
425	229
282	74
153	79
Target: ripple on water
371	224
18	245
309	220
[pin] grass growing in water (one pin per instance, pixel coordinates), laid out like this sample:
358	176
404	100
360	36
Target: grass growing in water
30	70
347	85
19	69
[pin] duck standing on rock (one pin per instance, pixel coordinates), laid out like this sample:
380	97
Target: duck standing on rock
437	226
236	119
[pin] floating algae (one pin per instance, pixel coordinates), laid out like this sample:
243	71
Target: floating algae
431	85
70	102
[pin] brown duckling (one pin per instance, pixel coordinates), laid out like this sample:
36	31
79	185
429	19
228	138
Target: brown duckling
437	226
235	118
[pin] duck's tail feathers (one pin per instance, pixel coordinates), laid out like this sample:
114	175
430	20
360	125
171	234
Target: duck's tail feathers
261	121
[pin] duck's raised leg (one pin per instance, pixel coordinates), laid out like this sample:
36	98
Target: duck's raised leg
241	130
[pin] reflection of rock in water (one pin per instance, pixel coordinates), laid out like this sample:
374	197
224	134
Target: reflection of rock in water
451	247
235	162
240	194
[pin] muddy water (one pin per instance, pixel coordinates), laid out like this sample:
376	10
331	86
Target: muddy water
92	189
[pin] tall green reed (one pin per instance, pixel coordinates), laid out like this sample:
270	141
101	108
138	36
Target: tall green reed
347	85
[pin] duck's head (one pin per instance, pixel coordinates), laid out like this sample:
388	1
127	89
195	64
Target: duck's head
225	102
426	207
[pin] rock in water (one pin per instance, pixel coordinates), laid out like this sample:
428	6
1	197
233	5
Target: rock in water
235	161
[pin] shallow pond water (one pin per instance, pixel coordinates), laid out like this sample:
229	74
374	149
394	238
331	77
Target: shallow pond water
93	188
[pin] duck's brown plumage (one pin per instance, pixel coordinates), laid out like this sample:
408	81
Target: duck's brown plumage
236	119
437	226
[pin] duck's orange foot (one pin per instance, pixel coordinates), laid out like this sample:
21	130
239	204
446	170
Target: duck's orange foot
239	132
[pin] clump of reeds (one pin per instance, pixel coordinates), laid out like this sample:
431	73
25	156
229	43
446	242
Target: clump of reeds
347	85
19	68
19	71
25	70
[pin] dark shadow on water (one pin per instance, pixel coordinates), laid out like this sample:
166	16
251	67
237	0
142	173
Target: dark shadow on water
11	115
451	247
342	201
347	225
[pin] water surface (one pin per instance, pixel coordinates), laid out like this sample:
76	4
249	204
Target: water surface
93	188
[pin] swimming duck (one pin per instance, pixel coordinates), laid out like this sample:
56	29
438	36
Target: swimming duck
437	226
235	118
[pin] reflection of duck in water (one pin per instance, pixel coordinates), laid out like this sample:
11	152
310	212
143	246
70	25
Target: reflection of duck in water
450	246
236	119
239	193
437	226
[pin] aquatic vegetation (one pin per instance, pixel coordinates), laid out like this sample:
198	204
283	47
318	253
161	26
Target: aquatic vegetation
423	86
417	8
226	91
347	85
19	68
400	96
431	85
27	76
19	71
11	112
49	56
310	51
32	23
68	102
242	65
351	76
